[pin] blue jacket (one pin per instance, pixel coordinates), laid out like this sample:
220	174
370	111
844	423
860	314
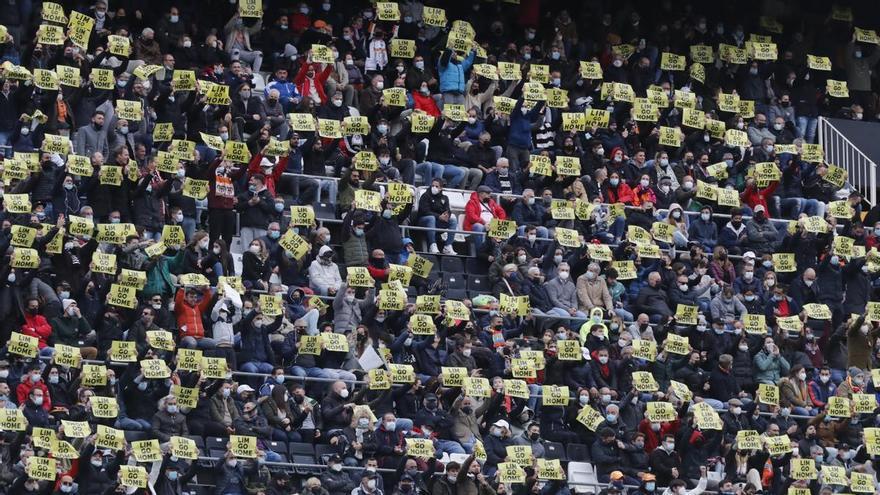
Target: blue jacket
537	295
452	74
705	233
520	134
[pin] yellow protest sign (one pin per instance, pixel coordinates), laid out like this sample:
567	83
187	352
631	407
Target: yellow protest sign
658	412
784	262
644	349
119	45
453	376
505	105
706	417
864	403
816	62
428	304
516	388
419	447
867	36
104	407
22	345
748	440
553	395
670	136
50	35
123	351
146	450
590	418
218	94
379	379
501	229
155	369
803	469
401	373
302	122
768	394
129	110
597	117
839	407
861	482
812	152
41	468
434	16
672	61
676	344
510	472
703	54
626	270
359	276
591	70
520	454
569	350
549	469
185	448
334	342
22	236
834	475
568	237
214	367
76	429
133	476
66	355
122	296
837	89
477	387
755	324
109	438
329	128
401	48
643	381
195	188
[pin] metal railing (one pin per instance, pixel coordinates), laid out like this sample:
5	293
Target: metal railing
840	151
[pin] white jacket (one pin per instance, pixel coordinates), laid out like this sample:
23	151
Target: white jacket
322	277
223	329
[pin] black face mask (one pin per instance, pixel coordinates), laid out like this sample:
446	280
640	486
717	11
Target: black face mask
298	399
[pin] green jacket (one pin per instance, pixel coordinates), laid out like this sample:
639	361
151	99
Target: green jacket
68	331
159	277
769	368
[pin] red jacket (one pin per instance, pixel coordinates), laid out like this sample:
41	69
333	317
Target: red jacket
425	103
303	83
274	177
24	389
473	209
621	194
191	316
37	326
641	195
753	196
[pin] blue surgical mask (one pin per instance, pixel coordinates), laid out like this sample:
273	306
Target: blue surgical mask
359	232
279	207
274	234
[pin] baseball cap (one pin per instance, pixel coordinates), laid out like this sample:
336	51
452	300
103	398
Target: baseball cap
244	388
616	475
484	189
502	423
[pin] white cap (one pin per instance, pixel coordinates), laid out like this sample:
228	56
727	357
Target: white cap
244	388
502	424
749	254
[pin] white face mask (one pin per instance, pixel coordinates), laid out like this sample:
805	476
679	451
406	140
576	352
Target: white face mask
563	275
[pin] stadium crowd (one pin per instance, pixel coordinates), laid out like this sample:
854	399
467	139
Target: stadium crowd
338	247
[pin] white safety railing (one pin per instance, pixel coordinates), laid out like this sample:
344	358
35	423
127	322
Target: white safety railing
840	151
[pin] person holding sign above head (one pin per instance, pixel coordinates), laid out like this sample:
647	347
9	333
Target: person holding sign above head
256	354
189	306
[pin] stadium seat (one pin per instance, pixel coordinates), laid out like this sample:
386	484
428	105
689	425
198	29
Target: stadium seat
216	443
477	266
433	258
298	461
478	283
135	436
456	294
577	452
297	448
454	280
581	476
555	450
200	442
323	452
451	264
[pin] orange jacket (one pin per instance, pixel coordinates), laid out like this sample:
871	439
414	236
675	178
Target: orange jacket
189	318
